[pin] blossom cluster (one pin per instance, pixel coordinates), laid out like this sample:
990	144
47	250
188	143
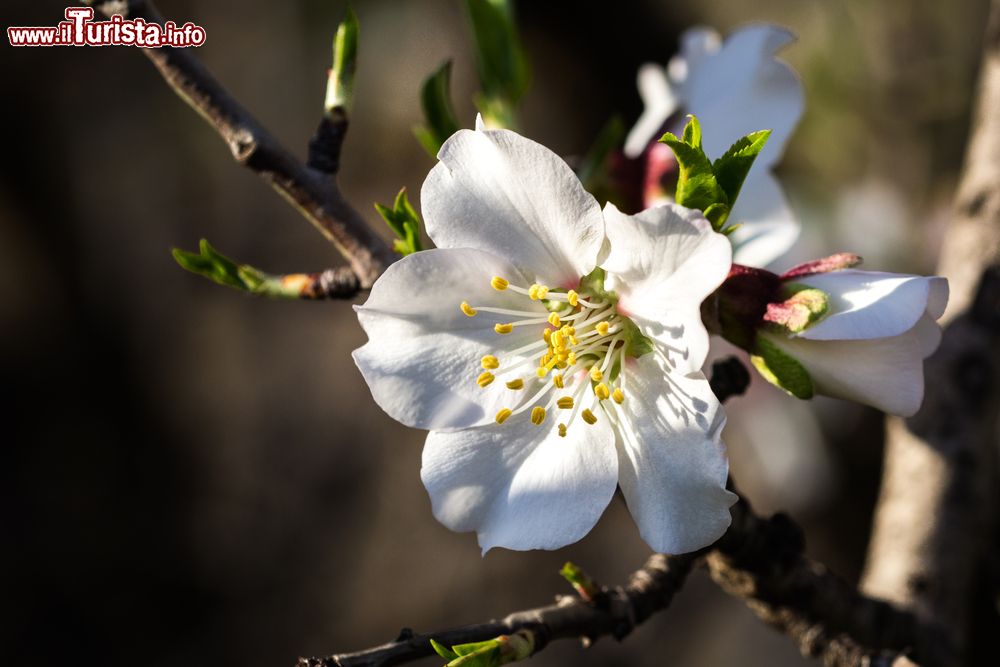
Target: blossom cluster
554	347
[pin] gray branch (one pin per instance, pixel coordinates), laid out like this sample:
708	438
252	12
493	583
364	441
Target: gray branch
312	191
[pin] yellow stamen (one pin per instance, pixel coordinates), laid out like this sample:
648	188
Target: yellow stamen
467	309
489	362
565	403
602	327
554	320
573	298
589	417
571	359
562	430
503	328
502	415
557	339
602	392
618	395
485	378
547	335
557	380
519	384
537	415
595	374
499	284
542	292
533	292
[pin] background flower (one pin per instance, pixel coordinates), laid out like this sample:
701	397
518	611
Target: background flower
734	88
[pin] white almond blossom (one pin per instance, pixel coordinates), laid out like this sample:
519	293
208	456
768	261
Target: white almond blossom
734	87
870	345
545	388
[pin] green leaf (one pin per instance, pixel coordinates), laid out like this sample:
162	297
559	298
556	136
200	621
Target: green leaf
404	221
443	650
732	168
212	264
340	83
439	116
692	132
586	587
500	59
781	369
697	186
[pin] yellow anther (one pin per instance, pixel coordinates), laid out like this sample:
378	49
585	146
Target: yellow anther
547	335
602	327
499	284
573	298
542	292
502	415
602	392
557	339
537	415
503	328
519	384
490	362
568	330
542	371
562	430
573	340
595	374
565	403
467	309
571	359
485	378
589	417
557	380
561	365
618	395
554	320
533	292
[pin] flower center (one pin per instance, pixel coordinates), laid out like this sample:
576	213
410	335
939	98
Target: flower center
578	360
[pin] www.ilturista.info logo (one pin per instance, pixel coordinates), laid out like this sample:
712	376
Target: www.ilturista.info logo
80	29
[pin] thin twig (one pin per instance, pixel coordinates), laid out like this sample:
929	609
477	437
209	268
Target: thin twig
313	192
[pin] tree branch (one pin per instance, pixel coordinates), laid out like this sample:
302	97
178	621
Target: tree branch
937	506
761	561
311	190
758	560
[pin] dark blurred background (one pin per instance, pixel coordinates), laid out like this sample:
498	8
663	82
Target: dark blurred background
193	477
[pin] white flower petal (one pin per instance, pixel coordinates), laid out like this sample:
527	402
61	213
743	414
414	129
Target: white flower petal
659	101
768	227
521	486
423	354
663	262
494	190
671	463
742	88
870	304
886	373
696	44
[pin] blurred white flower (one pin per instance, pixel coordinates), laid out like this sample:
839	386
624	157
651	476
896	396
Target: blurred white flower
734	88
546	382
870	345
